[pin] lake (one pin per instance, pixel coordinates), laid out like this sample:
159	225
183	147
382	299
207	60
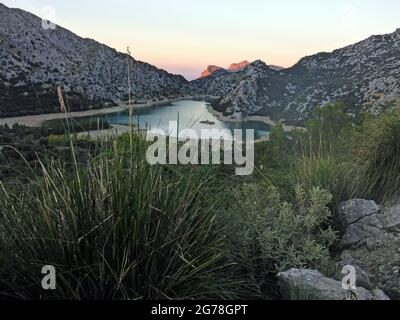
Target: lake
190	114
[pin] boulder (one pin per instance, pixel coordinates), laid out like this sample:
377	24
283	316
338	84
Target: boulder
369	225
357	209
319	287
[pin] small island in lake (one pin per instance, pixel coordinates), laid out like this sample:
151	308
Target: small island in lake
208	122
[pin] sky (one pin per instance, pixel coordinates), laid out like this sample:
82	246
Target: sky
184	36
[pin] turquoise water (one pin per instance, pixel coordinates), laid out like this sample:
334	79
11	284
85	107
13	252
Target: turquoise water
190	114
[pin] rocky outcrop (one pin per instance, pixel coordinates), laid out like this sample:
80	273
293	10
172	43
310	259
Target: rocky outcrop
369	225
237	89
234	67
371	244
365	76
209	71
34	59
238	66
316	286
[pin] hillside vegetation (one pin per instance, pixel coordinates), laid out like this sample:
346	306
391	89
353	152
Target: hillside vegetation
116	227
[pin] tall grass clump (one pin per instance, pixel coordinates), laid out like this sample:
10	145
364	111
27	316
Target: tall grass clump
115	227
374	164
320	153
323	171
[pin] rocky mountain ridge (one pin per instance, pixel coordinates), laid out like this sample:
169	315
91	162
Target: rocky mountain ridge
238	66
209	71
234	67
34	59
365	76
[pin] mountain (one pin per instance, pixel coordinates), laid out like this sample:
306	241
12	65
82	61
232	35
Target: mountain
34	60
234	67
238	66
210	70
237	92
365	76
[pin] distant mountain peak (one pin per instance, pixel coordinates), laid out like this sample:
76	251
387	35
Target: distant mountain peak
236	67
239	66
210	70
364	75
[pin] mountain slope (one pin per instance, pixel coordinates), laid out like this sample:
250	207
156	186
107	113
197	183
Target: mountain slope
365	76
34	59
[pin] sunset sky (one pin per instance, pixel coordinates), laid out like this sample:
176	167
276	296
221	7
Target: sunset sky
184	36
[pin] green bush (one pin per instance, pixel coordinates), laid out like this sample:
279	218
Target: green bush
312	157
273	235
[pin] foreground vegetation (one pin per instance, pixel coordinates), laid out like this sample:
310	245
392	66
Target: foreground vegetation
117	228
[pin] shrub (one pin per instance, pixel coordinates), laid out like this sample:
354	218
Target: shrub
276	235
275	159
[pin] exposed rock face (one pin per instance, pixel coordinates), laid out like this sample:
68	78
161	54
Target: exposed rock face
209	71
233	68
365	76
33	59
371	243
319	287
238	66
237	89
368	224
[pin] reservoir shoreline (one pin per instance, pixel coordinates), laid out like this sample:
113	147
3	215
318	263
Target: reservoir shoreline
38	120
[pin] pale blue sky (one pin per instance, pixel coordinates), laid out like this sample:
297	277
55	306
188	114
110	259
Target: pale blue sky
183	36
